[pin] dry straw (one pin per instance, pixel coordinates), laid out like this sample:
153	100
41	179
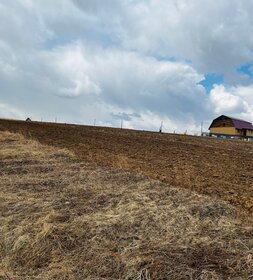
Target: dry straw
63	218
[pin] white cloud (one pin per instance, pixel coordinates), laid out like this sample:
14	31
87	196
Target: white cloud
138	59
235	101
81	86
70	63
149	121
214	36
8	111
129	80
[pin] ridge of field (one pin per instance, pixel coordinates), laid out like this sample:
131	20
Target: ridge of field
64	218
209	166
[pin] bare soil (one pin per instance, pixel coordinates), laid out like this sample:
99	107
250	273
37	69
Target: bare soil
209	166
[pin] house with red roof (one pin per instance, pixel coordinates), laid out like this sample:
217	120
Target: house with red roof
231	127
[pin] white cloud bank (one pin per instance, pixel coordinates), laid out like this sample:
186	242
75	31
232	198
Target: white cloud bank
10	112
234	101
140	61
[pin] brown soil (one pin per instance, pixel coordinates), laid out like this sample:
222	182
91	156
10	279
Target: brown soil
64	218
209	166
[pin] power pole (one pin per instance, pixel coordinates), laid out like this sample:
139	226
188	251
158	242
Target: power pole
94	122
201	128
121	124
161	127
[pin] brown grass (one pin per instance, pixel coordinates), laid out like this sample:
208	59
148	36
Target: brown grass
212	167
64	218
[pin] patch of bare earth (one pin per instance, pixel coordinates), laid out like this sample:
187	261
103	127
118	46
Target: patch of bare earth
214	167
64	218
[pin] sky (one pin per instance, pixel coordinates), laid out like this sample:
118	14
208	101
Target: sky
139	62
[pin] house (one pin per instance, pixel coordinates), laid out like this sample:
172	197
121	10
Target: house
229	127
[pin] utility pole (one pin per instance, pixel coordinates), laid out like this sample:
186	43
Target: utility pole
121	124
201	128
94	122
161	127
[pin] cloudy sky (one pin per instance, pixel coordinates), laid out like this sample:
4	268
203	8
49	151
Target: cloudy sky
142	61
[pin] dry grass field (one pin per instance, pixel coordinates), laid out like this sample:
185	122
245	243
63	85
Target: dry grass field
65	214
208	166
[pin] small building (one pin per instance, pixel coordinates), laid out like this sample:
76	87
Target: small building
229	127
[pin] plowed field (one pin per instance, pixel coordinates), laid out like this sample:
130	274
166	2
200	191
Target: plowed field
209	166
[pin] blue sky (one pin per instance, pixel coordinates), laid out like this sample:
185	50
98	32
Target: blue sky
246	69
210	80
143	61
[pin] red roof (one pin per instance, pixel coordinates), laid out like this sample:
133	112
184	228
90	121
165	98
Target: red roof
241	124
238	124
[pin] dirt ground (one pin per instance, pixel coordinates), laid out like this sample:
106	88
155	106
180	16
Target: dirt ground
209	166
63	217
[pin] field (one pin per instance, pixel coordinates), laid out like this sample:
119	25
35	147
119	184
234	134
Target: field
98	203
208	166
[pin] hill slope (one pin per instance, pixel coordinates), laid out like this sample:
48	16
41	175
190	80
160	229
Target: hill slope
64	218
209	166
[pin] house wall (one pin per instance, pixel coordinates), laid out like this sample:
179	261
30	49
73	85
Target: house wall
225	131
225	126
250	133
222	122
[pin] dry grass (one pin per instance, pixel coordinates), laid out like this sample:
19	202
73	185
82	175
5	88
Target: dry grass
209	166
63	218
